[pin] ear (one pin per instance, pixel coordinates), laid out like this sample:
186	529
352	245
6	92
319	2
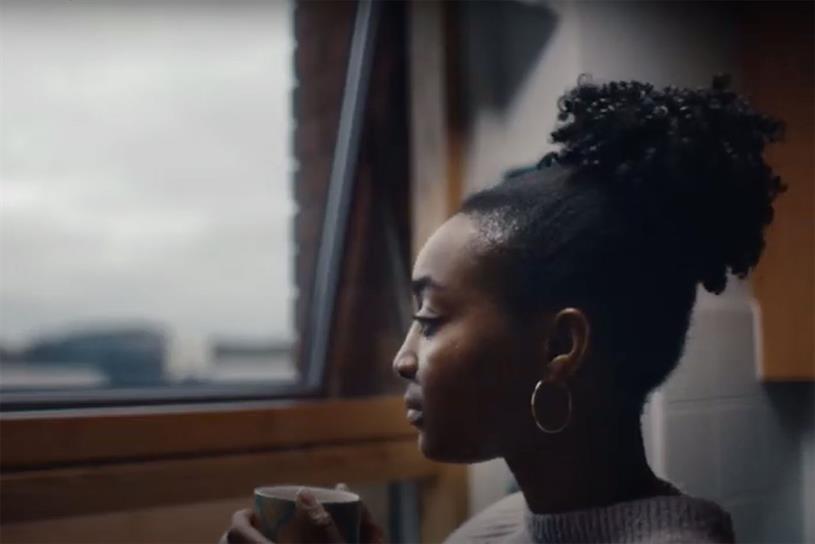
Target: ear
567	344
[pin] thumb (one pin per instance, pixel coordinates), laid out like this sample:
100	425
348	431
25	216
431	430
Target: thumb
318	523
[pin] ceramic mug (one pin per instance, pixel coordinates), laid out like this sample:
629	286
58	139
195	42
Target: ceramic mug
275	509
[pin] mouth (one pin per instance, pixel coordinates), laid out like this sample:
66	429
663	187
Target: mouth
413	404
415	417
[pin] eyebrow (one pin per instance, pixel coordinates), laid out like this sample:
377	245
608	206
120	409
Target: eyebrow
422	284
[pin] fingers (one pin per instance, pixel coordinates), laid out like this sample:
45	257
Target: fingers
318	523
369	531
243	531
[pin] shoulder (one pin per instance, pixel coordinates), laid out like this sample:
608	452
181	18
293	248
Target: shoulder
684	518
705	522
496	523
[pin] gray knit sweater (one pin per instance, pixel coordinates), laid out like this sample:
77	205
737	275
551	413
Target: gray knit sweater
663	519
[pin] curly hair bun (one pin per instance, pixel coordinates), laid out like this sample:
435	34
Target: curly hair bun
687	163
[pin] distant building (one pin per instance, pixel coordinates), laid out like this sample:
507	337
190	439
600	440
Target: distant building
128	357
142	356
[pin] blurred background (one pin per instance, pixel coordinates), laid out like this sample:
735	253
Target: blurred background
208	212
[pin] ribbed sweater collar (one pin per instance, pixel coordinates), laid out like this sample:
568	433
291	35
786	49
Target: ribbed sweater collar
633	521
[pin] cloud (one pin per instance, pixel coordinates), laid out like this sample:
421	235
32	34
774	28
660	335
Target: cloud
145	168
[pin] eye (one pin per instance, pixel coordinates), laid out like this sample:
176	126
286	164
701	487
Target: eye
427	325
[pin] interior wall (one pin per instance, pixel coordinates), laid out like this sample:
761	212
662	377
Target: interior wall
808	483
666	43
713	428
516	133
718	433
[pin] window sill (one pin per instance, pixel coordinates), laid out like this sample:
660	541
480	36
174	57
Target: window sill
65	464
36	440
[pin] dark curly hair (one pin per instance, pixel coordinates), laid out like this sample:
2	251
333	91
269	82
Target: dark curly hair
650	193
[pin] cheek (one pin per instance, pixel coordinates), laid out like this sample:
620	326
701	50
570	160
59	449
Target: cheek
465	387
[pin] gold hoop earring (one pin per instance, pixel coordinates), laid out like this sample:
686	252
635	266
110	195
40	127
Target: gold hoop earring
533	402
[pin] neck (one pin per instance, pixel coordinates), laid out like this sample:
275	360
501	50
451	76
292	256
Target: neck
597	469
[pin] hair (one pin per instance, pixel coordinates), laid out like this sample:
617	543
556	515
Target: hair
649	193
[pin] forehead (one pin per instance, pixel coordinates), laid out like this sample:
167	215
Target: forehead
449	255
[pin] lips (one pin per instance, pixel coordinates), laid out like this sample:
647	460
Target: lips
414	417
414	409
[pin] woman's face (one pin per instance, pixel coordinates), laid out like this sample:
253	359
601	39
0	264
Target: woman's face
470	370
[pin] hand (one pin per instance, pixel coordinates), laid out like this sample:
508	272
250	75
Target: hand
369	531
244	529
312	524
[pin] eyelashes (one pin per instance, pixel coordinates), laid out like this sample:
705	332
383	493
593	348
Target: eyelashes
427	325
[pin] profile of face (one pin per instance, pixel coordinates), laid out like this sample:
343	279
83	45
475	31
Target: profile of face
471	368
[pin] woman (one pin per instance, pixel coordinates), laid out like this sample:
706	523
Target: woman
569	287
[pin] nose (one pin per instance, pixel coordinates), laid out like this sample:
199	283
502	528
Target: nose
406	364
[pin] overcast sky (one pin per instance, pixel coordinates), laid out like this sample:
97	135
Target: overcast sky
145	166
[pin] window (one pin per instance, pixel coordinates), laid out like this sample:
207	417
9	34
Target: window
146	199
201	201
346	57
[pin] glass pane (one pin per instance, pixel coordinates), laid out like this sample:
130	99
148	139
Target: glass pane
145	205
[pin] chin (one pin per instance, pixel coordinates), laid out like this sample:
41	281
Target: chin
450	452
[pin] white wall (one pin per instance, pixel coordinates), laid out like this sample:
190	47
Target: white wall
718	433
808	481
518	136
712	429
661	42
